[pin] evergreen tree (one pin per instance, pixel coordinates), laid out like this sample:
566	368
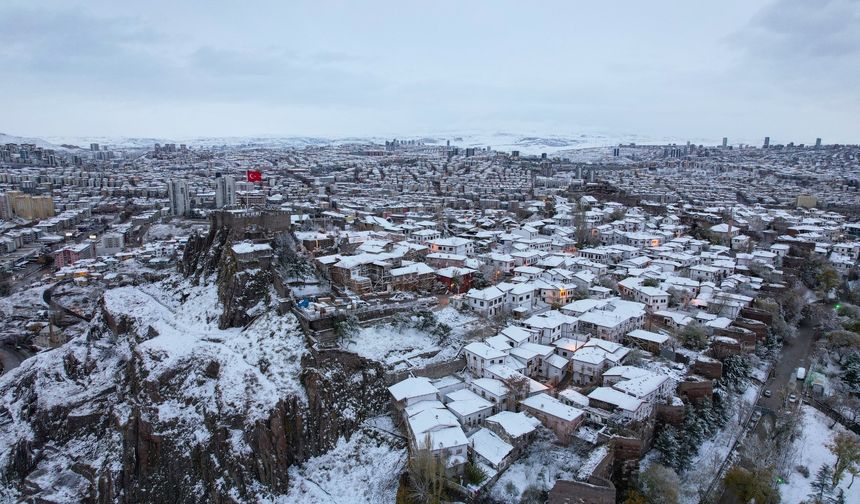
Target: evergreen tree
851	376
822	485
686	450
694	434
346	330
667	445
708	416
839	498
692	427
736	373
722	406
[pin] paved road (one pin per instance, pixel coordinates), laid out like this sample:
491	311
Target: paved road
25	278
783	379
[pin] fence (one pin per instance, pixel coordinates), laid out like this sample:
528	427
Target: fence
833	414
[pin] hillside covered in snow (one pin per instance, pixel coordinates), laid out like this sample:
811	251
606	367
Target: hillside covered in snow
155	402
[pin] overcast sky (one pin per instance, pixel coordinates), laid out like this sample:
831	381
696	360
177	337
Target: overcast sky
738	68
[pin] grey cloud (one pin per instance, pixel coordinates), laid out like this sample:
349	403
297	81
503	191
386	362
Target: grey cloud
789	69
120	57
814	46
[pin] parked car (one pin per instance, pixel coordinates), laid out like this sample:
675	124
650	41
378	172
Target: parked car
767	393
792	398
801	373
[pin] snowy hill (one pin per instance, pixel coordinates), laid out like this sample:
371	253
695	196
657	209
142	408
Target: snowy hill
39	142
155	403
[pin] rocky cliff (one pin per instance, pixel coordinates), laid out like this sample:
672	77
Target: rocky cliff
156	403
243	290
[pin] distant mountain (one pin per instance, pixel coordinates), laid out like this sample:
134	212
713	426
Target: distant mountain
4	139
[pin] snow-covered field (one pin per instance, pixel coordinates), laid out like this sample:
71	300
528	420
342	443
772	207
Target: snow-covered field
544	463
402	348
363	469
812	451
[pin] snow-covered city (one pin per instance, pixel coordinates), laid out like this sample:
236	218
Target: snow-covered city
661	308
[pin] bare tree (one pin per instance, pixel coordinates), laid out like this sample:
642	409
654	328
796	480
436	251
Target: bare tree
520	386
427	477
847	450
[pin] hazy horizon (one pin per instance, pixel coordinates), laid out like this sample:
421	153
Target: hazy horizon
662	70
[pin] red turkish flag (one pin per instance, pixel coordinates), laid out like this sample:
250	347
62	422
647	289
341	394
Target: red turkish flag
255	176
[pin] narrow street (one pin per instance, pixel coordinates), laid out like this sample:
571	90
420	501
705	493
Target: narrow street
783	380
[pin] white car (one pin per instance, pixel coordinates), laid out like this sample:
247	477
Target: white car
792	398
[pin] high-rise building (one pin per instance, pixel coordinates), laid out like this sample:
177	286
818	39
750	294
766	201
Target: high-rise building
817	143
766	142
180	200
225	191
28	207
725	142
5	207
94	146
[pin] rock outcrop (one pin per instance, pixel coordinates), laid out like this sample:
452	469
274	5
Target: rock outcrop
119	415
243	290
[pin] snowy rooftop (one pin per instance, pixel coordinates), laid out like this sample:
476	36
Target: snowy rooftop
648	336
552	406
574	397
483	350
615	397
490	446
412	387
515	424
248	247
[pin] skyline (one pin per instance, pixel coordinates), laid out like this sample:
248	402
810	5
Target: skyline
671	70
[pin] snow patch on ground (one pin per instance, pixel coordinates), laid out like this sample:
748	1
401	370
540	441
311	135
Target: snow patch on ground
813	453
543	464
363	469
402	348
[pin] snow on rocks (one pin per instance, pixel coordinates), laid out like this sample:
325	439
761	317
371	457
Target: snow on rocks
363	469
255	367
